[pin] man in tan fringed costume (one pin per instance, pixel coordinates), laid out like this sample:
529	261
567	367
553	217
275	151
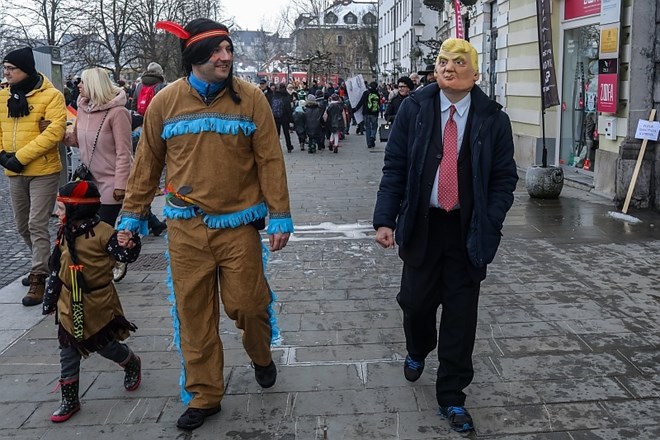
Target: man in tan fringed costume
225	173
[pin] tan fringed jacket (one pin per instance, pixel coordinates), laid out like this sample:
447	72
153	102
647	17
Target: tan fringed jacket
228	154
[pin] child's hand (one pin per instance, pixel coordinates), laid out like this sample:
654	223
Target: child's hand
125	239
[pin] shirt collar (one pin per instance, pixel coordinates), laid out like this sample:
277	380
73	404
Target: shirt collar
461	106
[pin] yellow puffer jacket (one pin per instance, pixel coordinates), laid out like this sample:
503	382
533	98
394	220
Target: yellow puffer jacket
38	151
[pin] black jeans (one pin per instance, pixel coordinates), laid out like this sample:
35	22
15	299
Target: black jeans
279	123
442	279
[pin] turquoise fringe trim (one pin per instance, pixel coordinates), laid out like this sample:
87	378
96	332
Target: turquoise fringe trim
207	124
275	334
133	225
236	219
173	213
186	396
279	225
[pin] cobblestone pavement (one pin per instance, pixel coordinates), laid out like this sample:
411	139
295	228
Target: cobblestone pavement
568	340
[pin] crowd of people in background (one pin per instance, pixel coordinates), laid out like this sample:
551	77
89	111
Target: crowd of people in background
322	113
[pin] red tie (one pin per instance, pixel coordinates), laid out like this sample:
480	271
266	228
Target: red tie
448	181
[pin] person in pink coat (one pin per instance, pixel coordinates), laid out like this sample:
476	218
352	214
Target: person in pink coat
102	132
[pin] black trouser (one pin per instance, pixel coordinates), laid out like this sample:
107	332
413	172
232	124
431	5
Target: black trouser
442	279
109	213
279	123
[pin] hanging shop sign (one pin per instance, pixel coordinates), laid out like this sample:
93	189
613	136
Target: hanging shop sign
460	31
548	76
581	8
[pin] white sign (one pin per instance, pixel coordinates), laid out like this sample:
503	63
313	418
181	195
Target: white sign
610	11
355	88
647	130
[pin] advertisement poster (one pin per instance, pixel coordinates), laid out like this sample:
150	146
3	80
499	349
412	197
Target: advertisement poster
607	92
580	8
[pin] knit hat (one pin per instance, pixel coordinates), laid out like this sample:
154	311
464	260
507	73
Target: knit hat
407	81
310	98
23	59
155	68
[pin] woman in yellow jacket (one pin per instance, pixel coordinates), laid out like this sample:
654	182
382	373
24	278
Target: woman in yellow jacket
31	157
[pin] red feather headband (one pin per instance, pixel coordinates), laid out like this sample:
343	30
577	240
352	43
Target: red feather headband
176	29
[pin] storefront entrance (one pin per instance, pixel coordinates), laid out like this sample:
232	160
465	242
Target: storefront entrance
579	119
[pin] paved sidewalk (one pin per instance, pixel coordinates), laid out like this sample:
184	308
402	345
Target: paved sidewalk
568	342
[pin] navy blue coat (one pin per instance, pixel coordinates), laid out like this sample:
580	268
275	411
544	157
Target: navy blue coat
491	175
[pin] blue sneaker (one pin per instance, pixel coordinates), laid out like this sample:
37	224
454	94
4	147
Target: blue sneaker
412	369
459	418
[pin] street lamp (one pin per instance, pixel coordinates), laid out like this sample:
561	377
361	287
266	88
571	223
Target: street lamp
419	28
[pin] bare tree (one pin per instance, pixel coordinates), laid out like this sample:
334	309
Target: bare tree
40	22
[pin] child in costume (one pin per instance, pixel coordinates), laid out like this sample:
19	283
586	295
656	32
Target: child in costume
81	292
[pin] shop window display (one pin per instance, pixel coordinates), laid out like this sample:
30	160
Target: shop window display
579	124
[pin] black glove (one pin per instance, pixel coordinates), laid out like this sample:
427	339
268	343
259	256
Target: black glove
12	164
4	157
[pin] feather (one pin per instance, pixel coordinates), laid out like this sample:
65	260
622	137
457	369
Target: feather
173	28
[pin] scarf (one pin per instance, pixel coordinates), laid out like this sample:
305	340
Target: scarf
17	102
203	88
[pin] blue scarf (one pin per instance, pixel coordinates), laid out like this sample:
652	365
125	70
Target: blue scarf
204	88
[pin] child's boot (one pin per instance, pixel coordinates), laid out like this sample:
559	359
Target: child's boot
133	369
70	403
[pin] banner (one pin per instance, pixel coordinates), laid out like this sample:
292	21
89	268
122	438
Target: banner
355	88
580	8
460	32
548	77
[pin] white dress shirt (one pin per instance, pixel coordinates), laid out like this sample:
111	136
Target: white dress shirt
460	116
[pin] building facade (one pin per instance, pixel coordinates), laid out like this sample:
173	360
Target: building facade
339	41
598	56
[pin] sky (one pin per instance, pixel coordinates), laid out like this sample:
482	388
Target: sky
249	13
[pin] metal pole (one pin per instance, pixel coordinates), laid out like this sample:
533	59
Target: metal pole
544	156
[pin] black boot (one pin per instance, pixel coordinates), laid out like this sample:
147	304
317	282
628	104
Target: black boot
70	403
265	376
133	369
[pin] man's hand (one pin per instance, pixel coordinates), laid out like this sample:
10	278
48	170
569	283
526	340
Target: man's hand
385	237
118	194
278	241
12	164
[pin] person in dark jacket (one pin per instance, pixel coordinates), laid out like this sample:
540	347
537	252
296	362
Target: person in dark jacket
334	120
282	106
299	123
268	93
447	184
313	126
370	115
405	86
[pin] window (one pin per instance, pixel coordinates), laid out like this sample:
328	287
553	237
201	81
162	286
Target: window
369	19
350	18
331	18
340	40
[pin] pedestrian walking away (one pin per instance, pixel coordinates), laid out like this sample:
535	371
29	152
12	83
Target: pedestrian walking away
31	130
81	293
447	184
370	103
217	137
